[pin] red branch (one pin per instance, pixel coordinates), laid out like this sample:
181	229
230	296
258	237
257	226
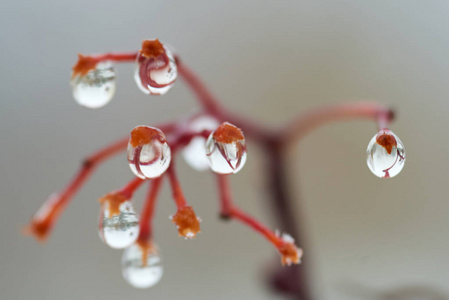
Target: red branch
213	106
45	219
146	217
273	141
305	122
230	210
178	194
129	189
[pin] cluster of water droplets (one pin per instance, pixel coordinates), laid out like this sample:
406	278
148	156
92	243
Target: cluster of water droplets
152	159
225	157
142	269
385	154
97	87
119	230
156	75
195	153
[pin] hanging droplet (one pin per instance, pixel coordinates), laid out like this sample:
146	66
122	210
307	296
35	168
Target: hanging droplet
195	153
156	69
385	154
141	266
96	88
119	224
226	149
149	155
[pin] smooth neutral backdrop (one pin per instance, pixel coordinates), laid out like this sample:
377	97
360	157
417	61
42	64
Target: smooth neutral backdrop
369	238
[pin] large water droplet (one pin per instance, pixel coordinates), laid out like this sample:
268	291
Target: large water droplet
152	159
96	88
195	153
156	75
385	154
141	266
119	230
226	150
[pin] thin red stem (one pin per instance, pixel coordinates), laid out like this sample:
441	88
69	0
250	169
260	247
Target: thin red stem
116	57
256	225
146	216
296	279
129	189
178	195
230	210
214	107
305	122
42	224
225	195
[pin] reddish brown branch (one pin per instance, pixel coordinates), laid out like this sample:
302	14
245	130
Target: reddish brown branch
86	63
146	216
42	223
295	280
303	123
288	251
186	221
129	189
213	106
178	194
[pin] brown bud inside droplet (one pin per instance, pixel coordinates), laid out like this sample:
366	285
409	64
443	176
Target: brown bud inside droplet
113	200
142	135
152	48
228	133
386	140
84	65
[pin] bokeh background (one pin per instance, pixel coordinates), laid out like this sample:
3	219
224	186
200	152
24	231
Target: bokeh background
368	238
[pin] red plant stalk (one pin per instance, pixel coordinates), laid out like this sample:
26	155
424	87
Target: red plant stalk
146	227
274	141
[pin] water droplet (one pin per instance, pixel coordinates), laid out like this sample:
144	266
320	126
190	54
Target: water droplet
156	75
226	149
385	154
150	156
118	230
96	88
195	153
141	266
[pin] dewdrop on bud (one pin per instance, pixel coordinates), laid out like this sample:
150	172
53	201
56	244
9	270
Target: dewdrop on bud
195	153
119	224
226	149
155	68
148	154
141	265
95	88
385	154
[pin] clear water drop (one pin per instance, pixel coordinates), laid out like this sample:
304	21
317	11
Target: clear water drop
195	153
96	88
141	266
226	149
385	154
152	159
119	230
156	75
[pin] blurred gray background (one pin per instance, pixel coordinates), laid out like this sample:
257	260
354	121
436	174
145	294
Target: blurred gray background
270	60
